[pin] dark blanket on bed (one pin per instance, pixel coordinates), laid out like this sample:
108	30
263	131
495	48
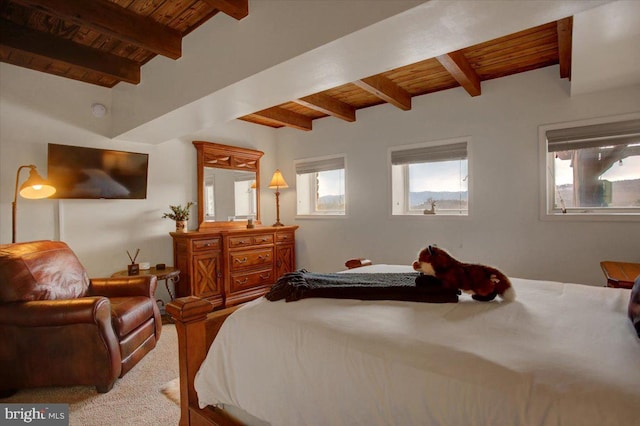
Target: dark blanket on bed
302	284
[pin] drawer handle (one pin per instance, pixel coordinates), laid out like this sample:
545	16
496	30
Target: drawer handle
243	260
285	237
244	281
242	242
261	257
208	244
265	277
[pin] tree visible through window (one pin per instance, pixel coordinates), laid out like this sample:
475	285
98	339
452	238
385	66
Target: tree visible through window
594	168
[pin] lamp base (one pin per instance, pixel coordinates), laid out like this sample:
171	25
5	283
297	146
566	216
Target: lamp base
278	224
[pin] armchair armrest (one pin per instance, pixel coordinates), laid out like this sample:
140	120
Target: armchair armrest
40	313
138	285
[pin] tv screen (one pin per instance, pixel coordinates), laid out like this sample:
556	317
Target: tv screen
79	172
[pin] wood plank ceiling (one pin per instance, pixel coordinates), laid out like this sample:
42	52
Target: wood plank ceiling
538	47
105	42
101	42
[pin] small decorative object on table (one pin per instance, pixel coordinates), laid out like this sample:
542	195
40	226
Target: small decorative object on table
180	214
250	224
134	268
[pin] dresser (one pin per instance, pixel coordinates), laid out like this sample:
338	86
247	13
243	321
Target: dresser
234	265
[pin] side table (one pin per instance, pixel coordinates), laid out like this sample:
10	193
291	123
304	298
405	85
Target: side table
620	274
166	274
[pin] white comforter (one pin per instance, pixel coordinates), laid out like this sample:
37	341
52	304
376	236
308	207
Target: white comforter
561	354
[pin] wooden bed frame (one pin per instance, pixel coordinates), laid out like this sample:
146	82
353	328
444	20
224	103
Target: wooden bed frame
197	325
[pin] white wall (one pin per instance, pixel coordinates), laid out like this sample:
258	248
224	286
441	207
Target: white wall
36	109
503	228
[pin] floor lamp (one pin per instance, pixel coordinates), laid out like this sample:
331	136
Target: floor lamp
33	188
277	182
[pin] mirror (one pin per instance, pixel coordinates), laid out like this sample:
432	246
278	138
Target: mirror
228	185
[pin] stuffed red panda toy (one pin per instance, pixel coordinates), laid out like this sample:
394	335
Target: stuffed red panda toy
482	282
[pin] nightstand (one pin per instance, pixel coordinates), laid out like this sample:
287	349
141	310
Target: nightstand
620	274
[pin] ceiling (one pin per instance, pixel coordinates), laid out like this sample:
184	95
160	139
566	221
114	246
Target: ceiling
102	42
538	47
105	42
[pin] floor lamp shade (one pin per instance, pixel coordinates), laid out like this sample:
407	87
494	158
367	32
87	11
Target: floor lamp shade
277	182
33	188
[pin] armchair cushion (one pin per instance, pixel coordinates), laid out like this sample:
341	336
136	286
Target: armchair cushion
41	270
127	313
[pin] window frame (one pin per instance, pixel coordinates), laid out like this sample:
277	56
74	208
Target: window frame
331	214
440	142
547	183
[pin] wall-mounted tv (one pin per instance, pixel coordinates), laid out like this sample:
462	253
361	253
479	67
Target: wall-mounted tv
79	172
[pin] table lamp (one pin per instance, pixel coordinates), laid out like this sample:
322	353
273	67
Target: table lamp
277	182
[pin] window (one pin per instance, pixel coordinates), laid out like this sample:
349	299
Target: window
320	186
430	179
593	169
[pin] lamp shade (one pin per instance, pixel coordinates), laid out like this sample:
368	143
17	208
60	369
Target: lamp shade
277	181
36	186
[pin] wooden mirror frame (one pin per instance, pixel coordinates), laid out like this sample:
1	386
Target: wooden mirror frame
225	157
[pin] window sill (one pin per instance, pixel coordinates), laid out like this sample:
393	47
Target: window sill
591	217
322	216
430	216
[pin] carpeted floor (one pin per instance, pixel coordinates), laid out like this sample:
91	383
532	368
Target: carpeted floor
136	399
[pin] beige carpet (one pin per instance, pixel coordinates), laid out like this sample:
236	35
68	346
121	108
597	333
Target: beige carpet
136	399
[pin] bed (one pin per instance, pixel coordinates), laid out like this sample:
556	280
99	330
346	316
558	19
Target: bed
561	354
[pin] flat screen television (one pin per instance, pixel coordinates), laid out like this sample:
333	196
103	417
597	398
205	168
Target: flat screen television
88	173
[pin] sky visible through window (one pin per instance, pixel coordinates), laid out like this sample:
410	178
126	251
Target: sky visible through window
438	176
331	182
629	169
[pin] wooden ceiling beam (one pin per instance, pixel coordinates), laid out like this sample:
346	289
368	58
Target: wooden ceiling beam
460	69
60	50
565	36
286	118
115	21
386	90
328	105
237	9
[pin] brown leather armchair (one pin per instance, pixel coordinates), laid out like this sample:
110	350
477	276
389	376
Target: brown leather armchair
60	328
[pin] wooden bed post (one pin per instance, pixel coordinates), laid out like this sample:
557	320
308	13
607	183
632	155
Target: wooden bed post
189	314
196	326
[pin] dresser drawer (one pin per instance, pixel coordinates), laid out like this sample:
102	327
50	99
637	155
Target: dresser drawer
245	259
253	279
208	244
262	239
250	240
284	237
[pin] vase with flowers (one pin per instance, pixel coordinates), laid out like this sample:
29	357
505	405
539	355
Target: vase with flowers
180	214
